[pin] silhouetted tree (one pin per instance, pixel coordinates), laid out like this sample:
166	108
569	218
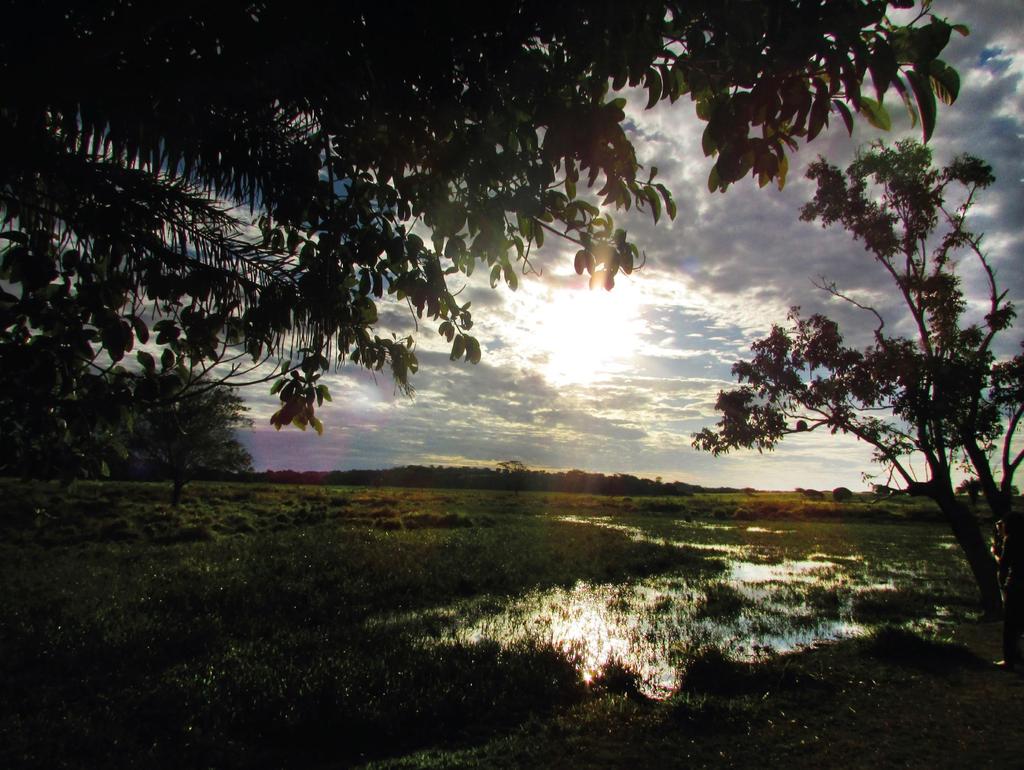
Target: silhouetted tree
514	473
941	395
192	434
236	182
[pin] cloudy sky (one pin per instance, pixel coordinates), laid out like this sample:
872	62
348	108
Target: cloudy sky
619	381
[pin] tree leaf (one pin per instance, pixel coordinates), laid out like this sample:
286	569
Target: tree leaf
458	348
708	142
652	197
472	350
844	113
925	102
141	330
782	172
883	68
875	113
946	81
714	182
653	83
670	204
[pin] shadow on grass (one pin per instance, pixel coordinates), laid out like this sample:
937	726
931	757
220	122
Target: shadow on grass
712	672
903	647
255	707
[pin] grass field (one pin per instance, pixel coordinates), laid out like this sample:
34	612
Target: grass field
278	626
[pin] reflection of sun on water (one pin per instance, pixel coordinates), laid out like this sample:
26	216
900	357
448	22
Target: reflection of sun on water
583	629
588	335
650	627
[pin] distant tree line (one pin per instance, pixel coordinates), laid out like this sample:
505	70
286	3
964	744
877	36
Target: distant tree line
436	477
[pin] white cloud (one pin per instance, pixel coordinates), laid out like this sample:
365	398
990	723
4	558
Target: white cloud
716	278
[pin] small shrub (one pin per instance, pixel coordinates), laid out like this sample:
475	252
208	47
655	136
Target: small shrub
825	600
841	494
721	601
711	671
618	679
661	506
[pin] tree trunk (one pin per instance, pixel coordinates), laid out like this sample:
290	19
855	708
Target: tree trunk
979	557
176	494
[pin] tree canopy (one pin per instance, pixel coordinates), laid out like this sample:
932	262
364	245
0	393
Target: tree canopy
938	399
191	434
223	185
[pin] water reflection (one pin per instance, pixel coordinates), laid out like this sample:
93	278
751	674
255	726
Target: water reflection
650	626
788	571
761	604
598	625
635	533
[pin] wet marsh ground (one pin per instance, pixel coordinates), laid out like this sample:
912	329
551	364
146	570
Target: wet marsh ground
281	626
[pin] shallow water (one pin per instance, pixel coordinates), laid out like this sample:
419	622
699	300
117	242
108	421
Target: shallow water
646	627
762	604
639	535
652	626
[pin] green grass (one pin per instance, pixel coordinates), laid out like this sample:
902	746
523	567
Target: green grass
267	626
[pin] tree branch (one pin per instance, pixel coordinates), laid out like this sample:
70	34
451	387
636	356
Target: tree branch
830	287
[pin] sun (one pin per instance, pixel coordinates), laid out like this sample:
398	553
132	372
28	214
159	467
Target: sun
588	336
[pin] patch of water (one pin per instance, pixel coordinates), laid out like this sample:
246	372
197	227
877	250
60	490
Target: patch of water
652	626
649	626
819	556
879	585
753	646
806	571
596	624
637	534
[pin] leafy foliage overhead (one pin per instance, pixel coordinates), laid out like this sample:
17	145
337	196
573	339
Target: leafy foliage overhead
234	182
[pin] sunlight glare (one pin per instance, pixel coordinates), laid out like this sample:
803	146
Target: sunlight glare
589	335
